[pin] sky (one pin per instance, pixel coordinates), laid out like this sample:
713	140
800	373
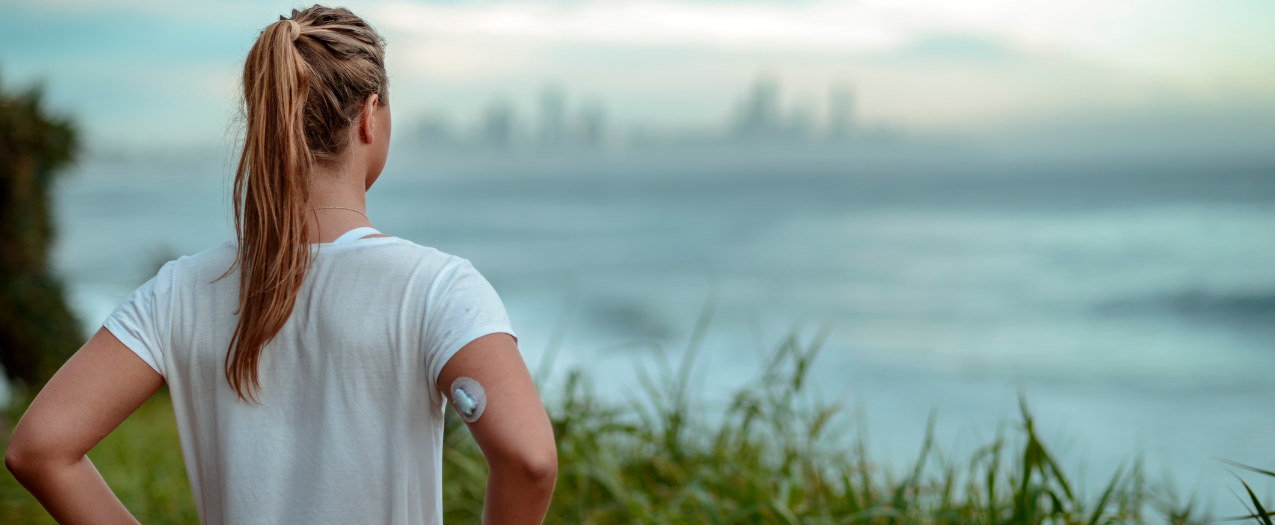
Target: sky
155	74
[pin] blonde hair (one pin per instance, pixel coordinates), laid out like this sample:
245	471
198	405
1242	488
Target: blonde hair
304	84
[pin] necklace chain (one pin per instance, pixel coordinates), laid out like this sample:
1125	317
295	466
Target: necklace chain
342	208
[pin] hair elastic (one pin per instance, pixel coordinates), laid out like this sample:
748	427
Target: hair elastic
294	29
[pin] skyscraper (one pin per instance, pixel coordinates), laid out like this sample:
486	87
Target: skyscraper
497	126
553	115
840	112
591	126
758	113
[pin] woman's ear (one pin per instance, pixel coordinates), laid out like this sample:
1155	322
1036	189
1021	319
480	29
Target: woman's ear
367	118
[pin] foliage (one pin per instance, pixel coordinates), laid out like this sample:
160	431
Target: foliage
775	454
778	455
37	329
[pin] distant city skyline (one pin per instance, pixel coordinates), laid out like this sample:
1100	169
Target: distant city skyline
555	120
163	74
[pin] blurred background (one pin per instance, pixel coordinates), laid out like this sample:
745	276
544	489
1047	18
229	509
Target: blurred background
1073	200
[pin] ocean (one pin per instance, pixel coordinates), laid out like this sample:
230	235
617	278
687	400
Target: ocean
1131	301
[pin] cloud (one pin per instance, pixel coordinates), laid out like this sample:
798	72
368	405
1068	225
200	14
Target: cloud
822	26
958	48
1170	37
921	63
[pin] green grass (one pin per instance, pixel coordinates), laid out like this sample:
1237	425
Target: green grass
774	454
777	454
141	461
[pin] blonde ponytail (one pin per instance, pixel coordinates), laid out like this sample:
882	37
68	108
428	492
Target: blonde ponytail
303	81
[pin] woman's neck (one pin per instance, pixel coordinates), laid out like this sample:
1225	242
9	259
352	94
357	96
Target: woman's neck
338	204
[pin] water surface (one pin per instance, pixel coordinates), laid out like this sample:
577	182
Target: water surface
1132	301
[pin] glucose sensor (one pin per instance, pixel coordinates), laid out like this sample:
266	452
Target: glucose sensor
468	398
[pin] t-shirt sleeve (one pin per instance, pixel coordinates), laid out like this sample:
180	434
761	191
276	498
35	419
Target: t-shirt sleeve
461	307
142	321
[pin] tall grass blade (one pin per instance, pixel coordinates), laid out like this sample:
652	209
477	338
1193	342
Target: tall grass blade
1246	467
556	338
1262	516
1106	496
697	338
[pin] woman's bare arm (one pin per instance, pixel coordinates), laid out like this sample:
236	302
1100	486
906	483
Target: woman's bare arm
89	396
513	432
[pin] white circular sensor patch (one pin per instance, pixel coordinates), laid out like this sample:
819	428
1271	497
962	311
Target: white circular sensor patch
468	398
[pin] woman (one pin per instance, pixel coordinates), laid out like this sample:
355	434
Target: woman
309	362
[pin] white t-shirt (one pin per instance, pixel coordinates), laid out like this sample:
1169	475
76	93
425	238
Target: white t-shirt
349	427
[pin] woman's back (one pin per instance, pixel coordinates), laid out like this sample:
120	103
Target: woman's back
347	423
307	377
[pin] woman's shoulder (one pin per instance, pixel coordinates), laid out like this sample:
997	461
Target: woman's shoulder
427	257
207	265
388	255
220	255
383	248
444	269
393	256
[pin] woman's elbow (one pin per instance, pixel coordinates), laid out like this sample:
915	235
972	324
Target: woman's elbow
542	468
532	467
27	454
20	458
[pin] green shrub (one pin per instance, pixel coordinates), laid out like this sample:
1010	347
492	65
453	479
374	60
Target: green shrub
37	330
